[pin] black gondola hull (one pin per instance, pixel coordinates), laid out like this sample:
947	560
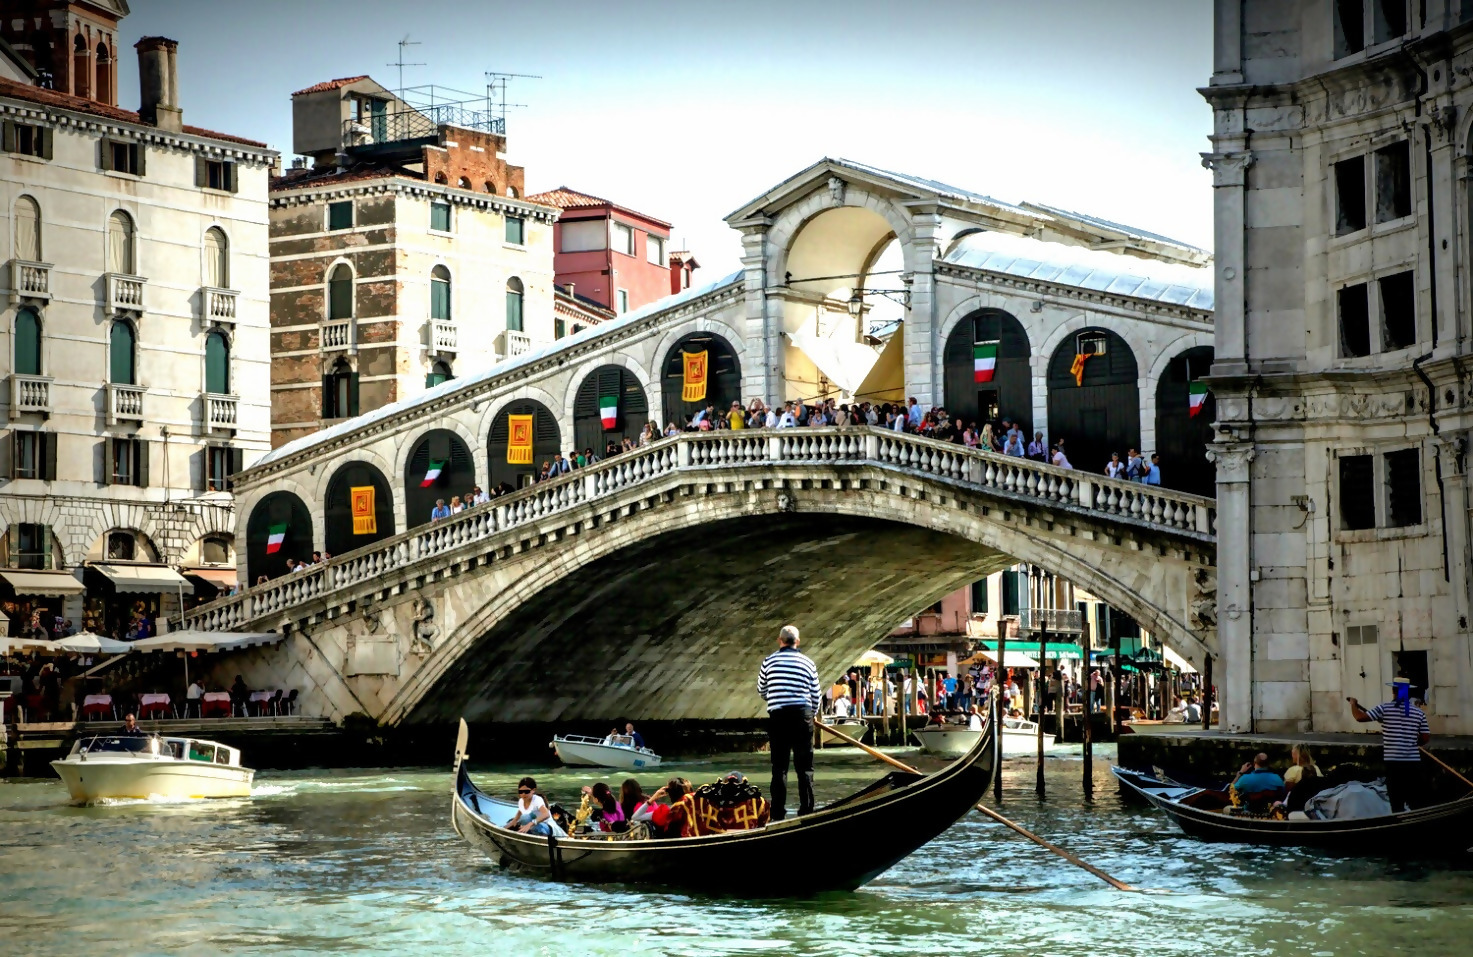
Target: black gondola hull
877	828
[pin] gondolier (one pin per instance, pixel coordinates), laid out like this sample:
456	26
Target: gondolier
788	682
1404	731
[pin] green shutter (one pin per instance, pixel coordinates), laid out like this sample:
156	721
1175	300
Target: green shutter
105	155
515	230
231	183
120	356
48	442
140	462
340	295
440	217
27	343
45	135
514	311
201	172
8	137
217	364
138	154
352	393
439	299
340	215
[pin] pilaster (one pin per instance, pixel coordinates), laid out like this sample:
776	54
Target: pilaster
1234	585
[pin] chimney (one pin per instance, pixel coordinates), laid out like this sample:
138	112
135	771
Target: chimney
158	83
572	290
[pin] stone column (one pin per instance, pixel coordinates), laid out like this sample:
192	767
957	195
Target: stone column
763	371
921	321
1229	179
1234	585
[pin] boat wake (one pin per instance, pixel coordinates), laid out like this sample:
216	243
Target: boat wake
152	799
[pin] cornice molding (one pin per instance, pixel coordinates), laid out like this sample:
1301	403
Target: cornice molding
55	118
288	195
1039	287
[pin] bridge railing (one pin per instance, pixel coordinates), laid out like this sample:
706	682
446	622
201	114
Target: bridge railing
1007	475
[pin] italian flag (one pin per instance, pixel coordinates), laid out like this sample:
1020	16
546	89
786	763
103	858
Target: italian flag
432	473
608	411
275	535
1196	398
984	361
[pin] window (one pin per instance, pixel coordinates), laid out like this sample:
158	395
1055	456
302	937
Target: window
516	230
217	258
1091	344
214	174
121	546
623	300
655	249
340	215
103	91
440	293
979	597
440	217
340	292
33	455
121	244
27	140
1398	311
122	157
1350	195
559	328
583	236
126	461
1361	635
27	342
217	363
1010	601
340	391
1357	492
514	304
214	551
1355	320
122	367
1350	27
221	463
30	546
1388	19
27	230
1403	487
623	239
463	183
1393	182
439	372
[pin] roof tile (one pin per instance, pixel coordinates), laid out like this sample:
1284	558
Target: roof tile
565	198
326	85
80	104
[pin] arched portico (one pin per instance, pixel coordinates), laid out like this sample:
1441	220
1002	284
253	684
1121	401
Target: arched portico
509	466
439	466
723	376
280	527
1182	434
358	509
1100	413
1007	391
609	406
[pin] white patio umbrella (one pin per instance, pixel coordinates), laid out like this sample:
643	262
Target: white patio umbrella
9	645
873	657
88	643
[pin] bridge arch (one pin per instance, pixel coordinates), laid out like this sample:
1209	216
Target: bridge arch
287	513
456	474
632	409
1102	414
724	375
785	253
546	442
344	531
1181	438
1010	392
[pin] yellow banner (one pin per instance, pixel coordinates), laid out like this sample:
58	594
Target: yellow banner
694	384
365	521
1077	369
519	440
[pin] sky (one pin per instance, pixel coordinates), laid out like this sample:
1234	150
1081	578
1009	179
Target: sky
687	111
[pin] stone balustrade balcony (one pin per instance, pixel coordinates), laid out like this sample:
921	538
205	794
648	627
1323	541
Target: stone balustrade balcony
220	411
30	393
125	293
218	304
339	335
444	337
124	403
513	344
1052	619
29	280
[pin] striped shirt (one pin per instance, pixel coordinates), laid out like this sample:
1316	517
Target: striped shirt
1400	732
788	679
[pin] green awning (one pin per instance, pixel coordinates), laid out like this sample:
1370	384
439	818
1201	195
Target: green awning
1052	649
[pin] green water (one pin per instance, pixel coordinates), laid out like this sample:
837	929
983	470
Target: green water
365	862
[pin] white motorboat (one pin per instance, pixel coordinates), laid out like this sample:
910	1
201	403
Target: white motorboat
853	726
946	739
1020	736
614	751
145	766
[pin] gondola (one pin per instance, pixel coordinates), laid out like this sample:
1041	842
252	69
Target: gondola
878	826
1430	831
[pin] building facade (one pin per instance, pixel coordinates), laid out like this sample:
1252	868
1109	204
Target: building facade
1341	157
135	352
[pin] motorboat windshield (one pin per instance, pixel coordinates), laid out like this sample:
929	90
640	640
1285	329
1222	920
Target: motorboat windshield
118	744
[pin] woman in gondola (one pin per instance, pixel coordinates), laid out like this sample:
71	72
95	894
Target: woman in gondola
1303	779
533	816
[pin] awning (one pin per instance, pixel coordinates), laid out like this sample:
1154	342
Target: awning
86	642
42	583
873	657
206	640
144	579
222	578
885	381
1178	662
1053	649
1014	659
9	645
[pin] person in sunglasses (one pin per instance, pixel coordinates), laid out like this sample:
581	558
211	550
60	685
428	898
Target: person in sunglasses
533	816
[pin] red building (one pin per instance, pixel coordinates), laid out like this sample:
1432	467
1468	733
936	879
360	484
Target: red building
616	257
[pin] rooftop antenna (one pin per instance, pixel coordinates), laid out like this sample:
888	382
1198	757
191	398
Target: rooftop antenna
496	87
406	42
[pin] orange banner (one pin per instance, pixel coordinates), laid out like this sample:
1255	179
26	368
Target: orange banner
1077	369
694	383
365	521
519	440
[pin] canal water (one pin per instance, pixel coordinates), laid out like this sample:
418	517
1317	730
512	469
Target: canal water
365	862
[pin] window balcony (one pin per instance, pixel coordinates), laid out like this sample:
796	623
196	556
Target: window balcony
340	335
29	280
513	344
30	393
443	337
218	304
220	412
124	403
1054	619
124	293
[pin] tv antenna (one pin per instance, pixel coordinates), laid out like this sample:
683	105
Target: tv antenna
406	42
496	84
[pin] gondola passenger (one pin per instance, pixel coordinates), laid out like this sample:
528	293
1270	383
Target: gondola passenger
672	819
607	814
631	799
533	816
1303	779
1256	784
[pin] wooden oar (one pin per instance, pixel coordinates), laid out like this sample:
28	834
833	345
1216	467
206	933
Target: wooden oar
1118	885
1445	767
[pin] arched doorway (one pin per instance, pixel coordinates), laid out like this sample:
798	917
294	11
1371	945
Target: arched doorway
1009	393
346	527
440	466
1181	438
630	412
280	527
723	380
546	442
1101	414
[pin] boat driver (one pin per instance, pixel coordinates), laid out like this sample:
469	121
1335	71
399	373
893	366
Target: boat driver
130	728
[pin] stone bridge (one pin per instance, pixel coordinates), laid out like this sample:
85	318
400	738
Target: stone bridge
650	584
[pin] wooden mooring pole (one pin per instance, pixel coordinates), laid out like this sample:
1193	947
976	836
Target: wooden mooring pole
1042	695
1207	694
999	685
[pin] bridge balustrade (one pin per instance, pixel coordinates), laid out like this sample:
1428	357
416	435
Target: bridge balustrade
1008	476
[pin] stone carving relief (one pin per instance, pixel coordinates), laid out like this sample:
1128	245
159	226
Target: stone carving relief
836	190
1361	405
1204	600
369	648
424	631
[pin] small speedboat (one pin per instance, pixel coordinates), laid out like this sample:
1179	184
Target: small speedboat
614	751
855	727
143	766
950	740
1020	736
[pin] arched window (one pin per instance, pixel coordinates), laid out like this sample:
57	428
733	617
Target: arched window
442	179
514	304
217	258
440	293
464	183
439	372
340	292
27	342
512	192
490	187
122	362
340	391
217	363
214	551
104	74
81	72
120	244
27	230
121	546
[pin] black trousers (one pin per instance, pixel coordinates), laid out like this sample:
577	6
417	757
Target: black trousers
791	730
1405	784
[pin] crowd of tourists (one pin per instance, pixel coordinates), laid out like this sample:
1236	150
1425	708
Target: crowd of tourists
676	809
